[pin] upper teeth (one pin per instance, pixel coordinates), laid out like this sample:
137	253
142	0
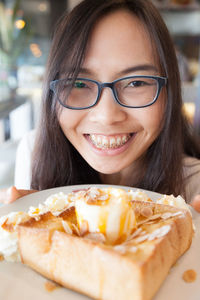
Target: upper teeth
102	141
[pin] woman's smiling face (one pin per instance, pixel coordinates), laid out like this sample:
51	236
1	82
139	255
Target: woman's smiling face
111	138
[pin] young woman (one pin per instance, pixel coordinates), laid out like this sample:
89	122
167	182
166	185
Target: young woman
112	107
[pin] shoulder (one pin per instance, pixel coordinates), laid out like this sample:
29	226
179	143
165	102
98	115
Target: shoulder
23	161
28	140
191	172
191	166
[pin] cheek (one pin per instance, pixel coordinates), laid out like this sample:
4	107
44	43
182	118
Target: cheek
155	119
68	120
63	123
151	118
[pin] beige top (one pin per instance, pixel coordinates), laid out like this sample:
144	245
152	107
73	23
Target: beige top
192	177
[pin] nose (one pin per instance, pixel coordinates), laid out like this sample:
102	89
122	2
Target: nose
107	111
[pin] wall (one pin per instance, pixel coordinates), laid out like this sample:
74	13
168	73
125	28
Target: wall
72	3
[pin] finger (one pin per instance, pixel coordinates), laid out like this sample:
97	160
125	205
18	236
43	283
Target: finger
4	195
11	194
22	193
16	194
8	195
196	203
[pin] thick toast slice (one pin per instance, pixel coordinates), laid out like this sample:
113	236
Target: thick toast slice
133	269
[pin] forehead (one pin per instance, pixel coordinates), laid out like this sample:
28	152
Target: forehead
119	38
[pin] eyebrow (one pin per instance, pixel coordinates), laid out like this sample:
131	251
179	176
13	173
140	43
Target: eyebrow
144	67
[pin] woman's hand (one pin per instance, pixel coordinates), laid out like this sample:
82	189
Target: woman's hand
11	194
196	203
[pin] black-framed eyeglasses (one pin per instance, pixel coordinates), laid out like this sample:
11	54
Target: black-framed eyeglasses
132	91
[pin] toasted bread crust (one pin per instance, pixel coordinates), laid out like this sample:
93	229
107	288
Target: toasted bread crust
98	270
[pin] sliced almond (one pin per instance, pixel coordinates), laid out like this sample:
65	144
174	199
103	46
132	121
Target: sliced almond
154	217
166	215
134	234
84	228
91	200
137	211
97	237
133	249
150	222
141	238
75	229
120	248
146	212
151	218
67	227
159	232
103	197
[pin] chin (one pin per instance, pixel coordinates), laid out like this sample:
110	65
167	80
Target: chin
108	168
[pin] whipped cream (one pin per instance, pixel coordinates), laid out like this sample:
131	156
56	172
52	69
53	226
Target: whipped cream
173	201
178	201
139	195
9	239
55	203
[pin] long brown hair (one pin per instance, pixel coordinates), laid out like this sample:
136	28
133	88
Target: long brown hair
55	161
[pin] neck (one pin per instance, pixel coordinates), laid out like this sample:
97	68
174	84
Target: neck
129	176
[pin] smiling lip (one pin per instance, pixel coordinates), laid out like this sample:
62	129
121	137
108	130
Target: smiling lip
110	151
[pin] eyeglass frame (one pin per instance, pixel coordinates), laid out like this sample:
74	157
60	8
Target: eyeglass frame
161	81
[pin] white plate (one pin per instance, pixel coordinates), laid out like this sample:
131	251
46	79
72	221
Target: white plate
18	282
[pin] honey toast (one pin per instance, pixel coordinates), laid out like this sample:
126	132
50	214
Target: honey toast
67	250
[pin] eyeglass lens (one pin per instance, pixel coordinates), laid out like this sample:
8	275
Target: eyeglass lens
137	91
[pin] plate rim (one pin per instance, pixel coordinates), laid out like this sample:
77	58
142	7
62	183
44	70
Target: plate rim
160	295
19	203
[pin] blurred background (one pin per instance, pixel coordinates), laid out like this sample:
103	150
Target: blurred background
26	28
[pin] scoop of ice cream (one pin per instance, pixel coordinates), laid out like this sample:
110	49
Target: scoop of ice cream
106	211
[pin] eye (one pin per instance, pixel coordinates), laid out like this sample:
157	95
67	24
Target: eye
80	84
136	83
